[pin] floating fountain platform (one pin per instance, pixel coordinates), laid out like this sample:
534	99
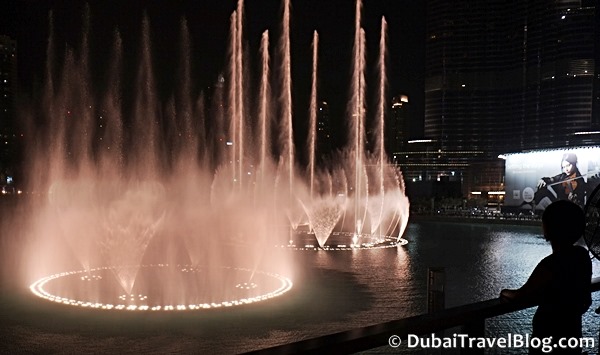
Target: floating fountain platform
197	288
304	240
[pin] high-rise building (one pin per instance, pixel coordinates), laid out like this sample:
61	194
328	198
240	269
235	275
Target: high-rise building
397	128
505	76
9	150
324	139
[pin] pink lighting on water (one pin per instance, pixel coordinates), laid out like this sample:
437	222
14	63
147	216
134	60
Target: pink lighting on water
141	302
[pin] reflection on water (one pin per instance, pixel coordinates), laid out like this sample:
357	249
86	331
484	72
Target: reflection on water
333	291
479	259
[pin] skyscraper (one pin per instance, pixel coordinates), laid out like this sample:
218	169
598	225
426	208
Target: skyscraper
9	149
324	139
398	127
506	76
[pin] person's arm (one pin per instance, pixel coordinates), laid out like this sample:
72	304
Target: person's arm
539	279
550	180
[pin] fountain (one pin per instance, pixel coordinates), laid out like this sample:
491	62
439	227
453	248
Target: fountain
178	206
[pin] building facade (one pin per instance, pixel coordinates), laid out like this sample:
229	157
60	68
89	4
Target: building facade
9	134
324	138
507	76
397	128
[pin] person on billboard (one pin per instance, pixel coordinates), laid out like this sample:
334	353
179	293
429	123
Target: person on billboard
568	185
560	283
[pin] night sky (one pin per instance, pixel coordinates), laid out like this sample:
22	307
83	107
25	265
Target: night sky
27	21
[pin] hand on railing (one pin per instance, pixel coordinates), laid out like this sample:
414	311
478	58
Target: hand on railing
507	294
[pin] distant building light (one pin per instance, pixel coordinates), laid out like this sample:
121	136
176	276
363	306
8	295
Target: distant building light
420	141
563	17
463	85
229	143
586	133
496	193
475	192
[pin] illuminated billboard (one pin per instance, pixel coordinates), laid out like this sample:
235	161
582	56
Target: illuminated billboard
535	179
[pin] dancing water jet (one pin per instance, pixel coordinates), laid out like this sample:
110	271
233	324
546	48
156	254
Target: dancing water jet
145	201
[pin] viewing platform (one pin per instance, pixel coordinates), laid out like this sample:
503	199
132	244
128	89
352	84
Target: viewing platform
470	318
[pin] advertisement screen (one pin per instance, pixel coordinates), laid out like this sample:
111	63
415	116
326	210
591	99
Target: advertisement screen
533	180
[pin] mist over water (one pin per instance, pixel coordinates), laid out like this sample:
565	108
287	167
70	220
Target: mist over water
123	186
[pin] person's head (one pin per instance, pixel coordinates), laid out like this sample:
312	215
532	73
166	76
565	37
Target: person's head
568	164
563	223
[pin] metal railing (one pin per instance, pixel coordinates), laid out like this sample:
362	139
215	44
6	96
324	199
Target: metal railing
470	317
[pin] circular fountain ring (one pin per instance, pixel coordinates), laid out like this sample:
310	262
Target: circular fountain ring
85	286
377	242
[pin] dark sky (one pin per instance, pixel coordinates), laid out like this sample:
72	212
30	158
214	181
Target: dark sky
208	21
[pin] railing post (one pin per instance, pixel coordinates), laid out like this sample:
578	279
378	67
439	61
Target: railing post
475	329
436	284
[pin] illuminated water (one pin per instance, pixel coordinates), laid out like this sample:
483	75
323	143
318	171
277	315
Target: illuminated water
333	292
121	185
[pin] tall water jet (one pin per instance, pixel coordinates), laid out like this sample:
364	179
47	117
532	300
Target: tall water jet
111	126
145	117
379	141
357	112
234	87
185	138
379	138
286	98
238	140
312	130
264	112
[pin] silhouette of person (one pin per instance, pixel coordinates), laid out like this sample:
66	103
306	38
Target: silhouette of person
568	185
560	283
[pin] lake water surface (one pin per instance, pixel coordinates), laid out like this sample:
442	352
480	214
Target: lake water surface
333	291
